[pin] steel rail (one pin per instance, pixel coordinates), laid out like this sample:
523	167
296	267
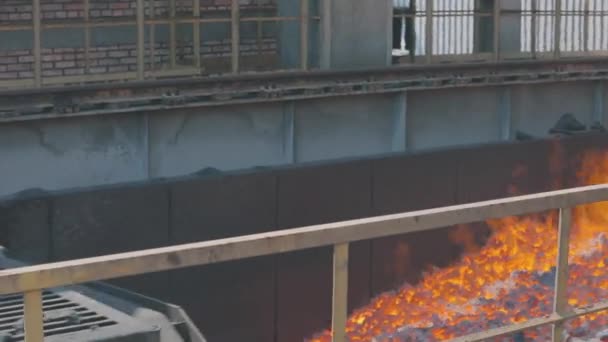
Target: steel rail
159	96
532	323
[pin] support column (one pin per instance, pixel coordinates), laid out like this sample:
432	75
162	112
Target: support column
146	143
504	112
289	109
325	11
399	143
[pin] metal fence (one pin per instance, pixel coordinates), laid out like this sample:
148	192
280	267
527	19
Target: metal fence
464	30
33	280
158	38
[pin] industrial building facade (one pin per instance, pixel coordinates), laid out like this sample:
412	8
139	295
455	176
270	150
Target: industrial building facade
99	40
144	124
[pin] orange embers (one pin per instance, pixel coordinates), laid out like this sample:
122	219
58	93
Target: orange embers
509	280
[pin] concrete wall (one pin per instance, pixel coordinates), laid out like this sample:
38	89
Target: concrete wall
224	138
453	116
55	154
254	300
65	153
536	108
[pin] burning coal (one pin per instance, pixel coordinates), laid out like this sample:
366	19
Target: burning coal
509	280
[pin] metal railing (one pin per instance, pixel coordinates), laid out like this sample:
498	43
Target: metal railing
174	40
495	30
33	279
146	56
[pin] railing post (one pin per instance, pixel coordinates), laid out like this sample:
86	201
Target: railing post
87	36
533	29
235	34
340	293
428	34
496	27
140	38
37	48
304	32
560	301
34	329
585	42
172	34
557	27
196	34
152	34
326	34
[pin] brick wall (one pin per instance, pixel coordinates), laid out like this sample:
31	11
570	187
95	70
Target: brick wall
15	10
68	59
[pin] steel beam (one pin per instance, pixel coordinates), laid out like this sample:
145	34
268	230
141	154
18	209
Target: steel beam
151	96
504	112
400	123
289	152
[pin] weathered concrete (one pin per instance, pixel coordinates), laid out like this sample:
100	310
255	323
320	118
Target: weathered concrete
537	109
343	127
452	117
65	153
71	153
225	138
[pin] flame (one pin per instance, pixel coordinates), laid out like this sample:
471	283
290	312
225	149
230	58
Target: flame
509	280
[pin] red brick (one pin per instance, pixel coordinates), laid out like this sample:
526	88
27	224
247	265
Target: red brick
71	72
118	54
26	59
8	76
74	7
19	67
51	73
52	58
8	60
119	5
26	74
65	64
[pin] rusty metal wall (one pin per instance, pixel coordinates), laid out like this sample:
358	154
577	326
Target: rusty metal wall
285	297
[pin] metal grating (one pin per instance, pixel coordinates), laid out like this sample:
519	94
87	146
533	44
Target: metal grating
61	316
96	312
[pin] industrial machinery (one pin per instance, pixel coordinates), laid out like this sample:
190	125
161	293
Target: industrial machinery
97	312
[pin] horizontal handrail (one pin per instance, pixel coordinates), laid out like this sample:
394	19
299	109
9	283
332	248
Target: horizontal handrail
208	252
